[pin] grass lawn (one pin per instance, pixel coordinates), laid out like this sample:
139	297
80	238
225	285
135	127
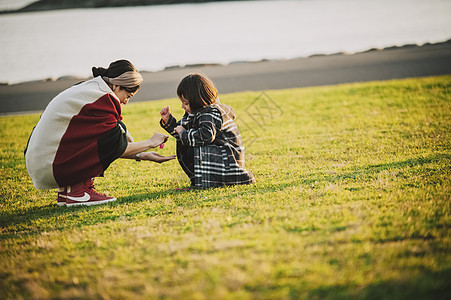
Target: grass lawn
352	200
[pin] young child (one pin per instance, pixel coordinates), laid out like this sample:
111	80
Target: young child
209	145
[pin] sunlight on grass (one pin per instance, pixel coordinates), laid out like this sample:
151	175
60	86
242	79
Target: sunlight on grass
352	200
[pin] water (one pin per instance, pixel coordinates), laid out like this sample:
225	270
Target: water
69	42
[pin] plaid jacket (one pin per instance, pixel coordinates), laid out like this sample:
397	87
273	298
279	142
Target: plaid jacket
217	144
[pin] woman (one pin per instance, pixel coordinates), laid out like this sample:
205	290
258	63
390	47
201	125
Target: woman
81	133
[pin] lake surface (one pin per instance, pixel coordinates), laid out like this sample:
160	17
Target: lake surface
69	42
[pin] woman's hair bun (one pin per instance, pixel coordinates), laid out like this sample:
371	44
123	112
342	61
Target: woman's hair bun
115	69
99	71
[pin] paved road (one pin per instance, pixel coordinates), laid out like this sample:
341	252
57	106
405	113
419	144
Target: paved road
391	63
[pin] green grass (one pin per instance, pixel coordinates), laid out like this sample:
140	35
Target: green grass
352	200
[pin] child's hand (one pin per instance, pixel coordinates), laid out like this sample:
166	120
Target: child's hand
179	129
165	113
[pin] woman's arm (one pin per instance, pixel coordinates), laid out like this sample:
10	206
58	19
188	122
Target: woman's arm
130	138
134	148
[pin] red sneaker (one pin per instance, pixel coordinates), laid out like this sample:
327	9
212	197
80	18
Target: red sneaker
85	194
62	195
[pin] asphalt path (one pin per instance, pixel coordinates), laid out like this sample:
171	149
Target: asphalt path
390	63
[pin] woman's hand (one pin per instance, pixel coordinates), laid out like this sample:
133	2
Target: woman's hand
137	147
157	139
165	113
179	129
153	156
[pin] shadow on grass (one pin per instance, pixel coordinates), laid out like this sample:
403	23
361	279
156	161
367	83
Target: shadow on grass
428	285
367	171
21	222
51	217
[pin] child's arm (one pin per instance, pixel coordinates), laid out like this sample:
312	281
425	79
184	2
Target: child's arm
168	122
169	126
209	123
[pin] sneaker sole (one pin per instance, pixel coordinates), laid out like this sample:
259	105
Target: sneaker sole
90	203
61	203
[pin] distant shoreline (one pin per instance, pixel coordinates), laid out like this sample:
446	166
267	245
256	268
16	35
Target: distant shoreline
49	5
212	64
406	61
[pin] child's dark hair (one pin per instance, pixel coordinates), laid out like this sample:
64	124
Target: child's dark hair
198	90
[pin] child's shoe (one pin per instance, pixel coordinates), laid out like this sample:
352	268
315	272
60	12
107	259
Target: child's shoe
85	194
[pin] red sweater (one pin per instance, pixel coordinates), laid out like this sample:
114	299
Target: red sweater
78	136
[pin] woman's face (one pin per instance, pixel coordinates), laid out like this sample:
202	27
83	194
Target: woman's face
122	94
185	104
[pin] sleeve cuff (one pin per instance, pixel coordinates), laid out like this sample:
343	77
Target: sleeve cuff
169	125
